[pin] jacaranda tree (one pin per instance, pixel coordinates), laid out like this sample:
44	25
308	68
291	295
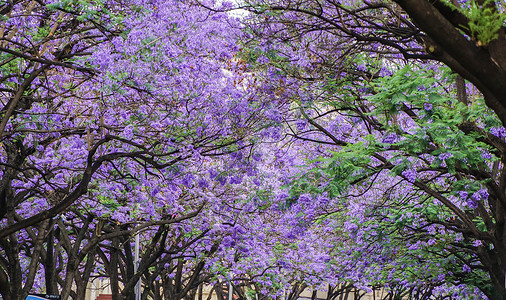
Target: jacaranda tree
118	120
341	145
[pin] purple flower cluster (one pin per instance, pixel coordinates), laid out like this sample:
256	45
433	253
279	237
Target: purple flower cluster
389	138
301	124
445	155
499	132
410	175
472	200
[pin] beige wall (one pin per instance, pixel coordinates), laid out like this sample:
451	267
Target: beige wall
97	286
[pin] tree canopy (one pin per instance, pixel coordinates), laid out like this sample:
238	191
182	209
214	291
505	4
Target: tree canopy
345	146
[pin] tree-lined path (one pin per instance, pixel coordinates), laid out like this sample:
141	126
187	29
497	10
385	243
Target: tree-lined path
294	145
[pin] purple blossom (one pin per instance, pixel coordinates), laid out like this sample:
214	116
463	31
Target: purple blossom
445	155
463	195
128	132
236	155
476	196
413	247
237	179
203	183
305	199
385	72
499	132
275	115
483	194
155	191
290	235
243	249
486	155
410	175
188	180
427	106
362	68
301	124
345	128
213	173
157	125
222	180
282	263
257	156
466	269
262	59
477	243
472	203
389	138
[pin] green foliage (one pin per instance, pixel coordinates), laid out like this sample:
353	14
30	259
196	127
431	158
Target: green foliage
484	21
88	10
341	171
437	128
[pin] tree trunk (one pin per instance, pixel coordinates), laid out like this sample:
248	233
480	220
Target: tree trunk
50	265
113	269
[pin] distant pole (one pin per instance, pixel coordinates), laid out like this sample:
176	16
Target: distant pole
136	267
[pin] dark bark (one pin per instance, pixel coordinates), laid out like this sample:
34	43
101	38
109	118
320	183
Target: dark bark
113	269
461	89
50	264
129	263
4	285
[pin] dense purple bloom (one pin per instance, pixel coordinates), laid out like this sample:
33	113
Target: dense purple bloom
472	203
222	180
466	269
483	194
486	155
362	68
500	132
177	93
445	155
155	191
228	242
301	124
282	263
389	138
275	115
415	246
463	194
213	173
243	249
385	72
203	183
410	175
188	180
237	179
477	243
